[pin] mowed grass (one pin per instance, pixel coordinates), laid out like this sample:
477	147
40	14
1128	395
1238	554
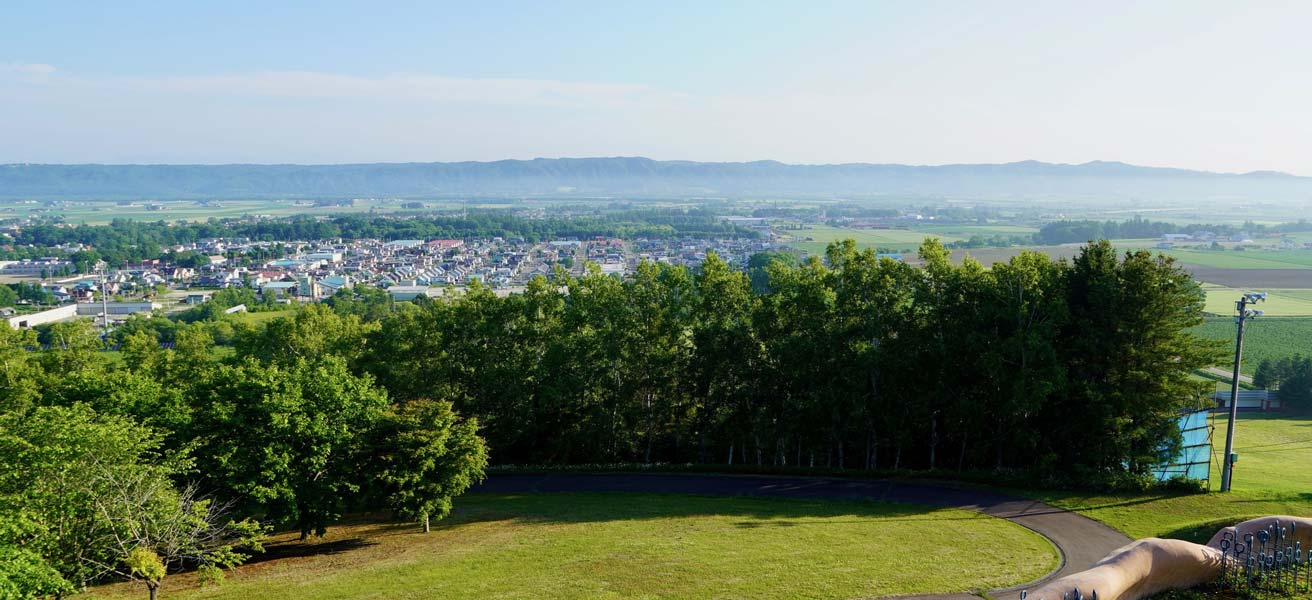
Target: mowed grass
1265	338
595	545
1273	477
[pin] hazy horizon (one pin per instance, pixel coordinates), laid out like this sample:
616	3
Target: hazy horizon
1201	86
659	160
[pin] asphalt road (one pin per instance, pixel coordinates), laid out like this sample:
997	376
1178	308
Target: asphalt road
1081	541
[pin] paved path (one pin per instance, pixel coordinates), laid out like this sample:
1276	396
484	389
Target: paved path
1228	373
1081	541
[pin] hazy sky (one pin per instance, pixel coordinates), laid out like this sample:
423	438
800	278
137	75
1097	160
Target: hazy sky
1212	85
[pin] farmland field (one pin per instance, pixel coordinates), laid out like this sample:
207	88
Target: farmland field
1253	279
102	212
1264	337
1279	302
821	235
965	231
595	545
1248	259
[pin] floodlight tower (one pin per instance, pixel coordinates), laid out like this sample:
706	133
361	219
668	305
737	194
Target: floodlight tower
1243	313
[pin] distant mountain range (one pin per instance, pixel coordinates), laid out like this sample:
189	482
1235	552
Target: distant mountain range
645	178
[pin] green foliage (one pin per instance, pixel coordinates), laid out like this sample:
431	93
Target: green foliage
1292	376
1068	232
854	361
24	574
94	463
32	292
56	465
315	330
20	372
426	456
144	563
287	438
367	302
757	268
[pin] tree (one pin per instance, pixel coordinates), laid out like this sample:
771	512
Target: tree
74	347
758	264
1295	381
426	455
52	462
315	330
20	373
1128	354
287	438
1028	307
723	353
155	526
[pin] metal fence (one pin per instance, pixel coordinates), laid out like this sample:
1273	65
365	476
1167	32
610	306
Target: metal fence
1266	561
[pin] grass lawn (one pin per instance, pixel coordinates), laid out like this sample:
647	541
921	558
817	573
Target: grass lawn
1273	477
642	546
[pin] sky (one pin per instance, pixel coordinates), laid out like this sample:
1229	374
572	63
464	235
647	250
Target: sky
1222	86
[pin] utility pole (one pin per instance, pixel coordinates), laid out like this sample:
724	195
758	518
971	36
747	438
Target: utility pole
104	292
1243	314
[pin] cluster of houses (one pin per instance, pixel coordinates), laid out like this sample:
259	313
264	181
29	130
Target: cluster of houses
313	271
1169	240
691	252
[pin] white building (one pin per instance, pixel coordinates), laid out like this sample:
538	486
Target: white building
53	315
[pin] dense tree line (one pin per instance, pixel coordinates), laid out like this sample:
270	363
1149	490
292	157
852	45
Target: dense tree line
1070	232
1292	376
851	362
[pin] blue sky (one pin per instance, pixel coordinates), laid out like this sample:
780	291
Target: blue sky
1210	85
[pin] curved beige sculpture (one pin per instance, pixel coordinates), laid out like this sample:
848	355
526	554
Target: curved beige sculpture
1152	565
1299	529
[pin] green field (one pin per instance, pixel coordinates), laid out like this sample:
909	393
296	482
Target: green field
965	231
821	235
1279	303
261	317
1273	477
642	546
1269	338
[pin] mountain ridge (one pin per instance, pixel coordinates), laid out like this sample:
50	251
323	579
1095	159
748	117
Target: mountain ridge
638	177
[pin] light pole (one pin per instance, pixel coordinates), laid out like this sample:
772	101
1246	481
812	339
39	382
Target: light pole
1243	314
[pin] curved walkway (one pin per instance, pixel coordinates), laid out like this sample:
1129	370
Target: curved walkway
1080	541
